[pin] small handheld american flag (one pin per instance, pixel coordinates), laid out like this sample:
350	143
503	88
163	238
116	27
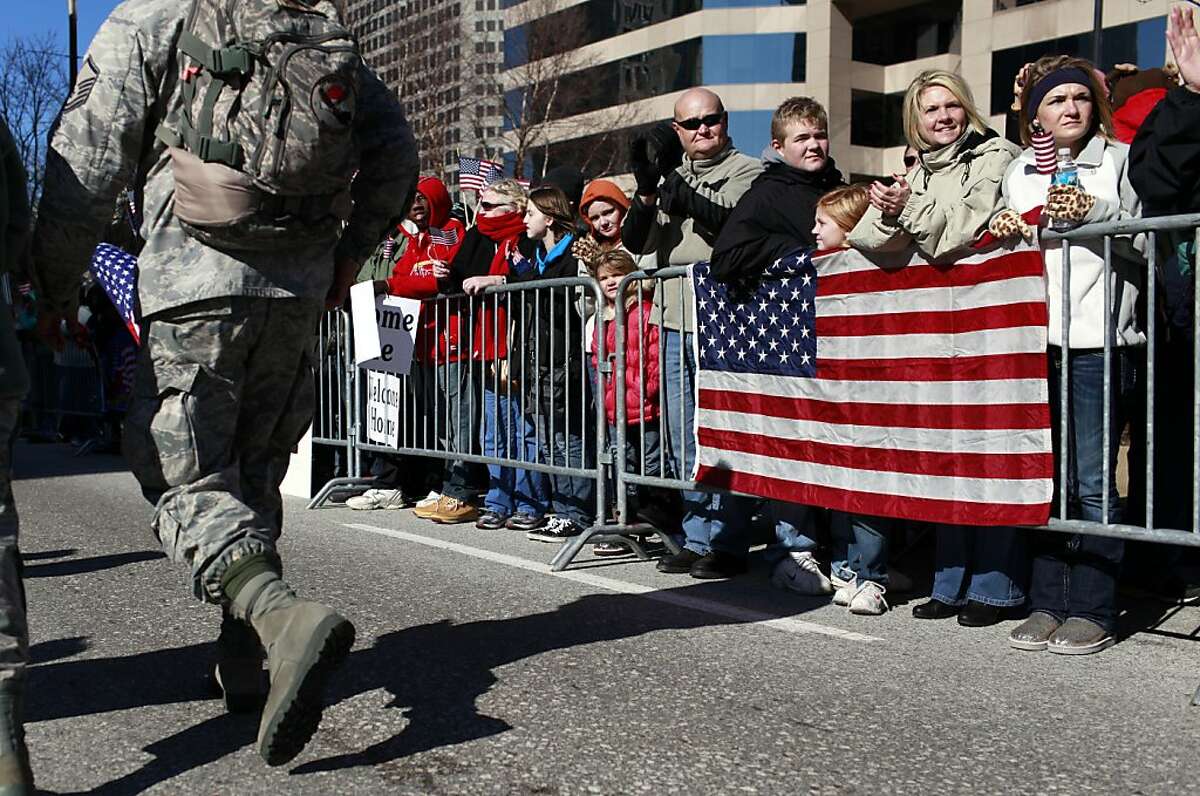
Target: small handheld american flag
475	174
443	237
116	271
1044	154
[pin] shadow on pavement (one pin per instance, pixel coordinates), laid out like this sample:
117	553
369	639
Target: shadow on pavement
45	555
81	566
436	672
56	461
59	648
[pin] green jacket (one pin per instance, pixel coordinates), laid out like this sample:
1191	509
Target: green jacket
14	225
14	202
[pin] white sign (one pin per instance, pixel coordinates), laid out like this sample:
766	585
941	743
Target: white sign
385	329
383	409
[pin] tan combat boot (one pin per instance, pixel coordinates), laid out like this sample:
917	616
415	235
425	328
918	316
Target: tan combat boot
239	668
305	642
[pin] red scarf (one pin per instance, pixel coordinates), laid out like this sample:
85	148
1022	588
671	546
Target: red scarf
504	231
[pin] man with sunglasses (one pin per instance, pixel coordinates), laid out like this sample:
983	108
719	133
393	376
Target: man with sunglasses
685	194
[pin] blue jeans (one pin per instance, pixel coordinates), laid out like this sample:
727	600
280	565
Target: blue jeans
456	419
860	547
705	516
571	496
1076	575
508	433
981	564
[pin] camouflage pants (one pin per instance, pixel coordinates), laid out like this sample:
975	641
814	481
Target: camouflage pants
224	391
14	633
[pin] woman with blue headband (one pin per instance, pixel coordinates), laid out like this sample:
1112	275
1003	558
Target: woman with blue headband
1073	587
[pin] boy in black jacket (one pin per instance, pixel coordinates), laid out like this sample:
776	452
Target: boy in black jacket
777	214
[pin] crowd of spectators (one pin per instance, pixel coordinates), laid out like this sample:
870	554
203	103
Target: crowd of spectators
697	198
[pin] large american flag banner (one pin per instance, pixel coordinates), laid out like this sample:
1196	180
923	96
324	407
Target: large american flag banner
475	174
903	389
116	271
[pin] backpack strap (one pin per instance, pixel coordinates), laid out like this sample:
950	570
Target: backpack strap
224	65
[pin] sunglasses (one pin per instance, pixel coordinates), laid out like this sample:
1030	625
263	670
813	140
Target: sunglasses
696	122
493	205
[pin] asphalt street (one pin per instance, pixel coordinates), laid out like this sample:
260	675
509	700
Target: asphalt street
478	671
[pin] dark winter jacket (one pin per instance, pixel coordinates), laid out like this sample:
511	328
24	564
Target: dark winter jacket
773	218
1164	168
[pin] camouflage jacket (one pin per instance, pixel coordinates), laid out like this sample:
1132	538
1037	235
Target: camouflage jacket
105	140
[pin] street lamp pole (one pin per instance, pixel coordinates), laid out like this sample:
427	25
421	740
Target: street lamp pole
1097	32
73	27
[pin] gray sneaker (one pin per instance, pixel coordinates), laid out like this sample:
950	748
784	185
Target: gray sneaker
1034	633
1078	636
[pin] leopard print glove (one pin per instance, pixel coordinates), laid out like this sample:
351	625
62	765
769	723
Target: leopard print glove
587	251
1069	203
1009	224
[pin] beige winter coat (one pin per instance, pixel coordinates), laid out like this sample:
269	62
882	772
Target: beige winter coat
955	192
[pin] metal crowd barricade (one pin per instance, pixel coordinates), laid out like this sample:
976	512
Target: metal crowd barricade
335	422
1124	232
670	286
533	391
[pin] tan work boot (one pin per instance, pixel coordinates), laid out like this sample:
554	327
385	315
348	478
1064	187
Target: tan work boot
427	506
16	777
450	511
305	641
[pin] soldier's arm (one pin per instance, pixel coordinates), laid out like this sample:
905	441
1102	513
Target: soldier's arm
387	169
95	149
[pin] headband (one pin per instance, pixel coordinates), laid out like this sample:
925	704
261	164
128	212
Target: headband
1070	74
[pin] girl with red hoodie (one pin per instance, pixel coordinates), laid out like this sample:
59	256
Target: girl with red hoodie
641	370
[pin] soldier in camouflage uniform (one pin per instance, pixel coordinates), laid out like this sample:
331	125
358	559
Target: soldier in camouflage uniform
224	387
15	776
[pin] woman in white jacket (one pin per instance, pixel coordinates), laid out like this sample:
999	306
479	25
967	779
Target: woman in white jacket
1073	588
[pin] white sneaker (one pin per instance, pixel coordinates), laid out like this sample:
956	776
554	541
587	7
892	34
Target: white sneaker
868	599
843	590
429	500
800	573
374	499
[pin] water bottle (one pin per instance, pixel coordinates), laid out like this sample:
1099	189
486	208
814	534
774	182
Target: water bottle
1065	174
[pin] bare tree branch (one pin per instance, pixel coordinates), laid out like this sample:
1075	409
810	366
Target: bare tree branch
33	87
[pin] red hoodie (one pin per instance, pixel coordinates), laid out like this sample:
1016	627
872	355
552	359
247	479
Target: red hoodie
412	276
636	411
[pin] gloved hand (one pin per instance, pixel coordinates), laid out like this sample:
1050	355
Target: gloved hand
1068	202
646	173
667	147
1009	224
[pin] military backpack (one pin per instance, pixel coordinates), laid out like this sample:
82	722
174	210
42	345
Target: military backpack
262	147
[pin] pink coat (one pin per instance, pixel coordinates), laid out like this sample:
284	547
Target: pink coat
636	410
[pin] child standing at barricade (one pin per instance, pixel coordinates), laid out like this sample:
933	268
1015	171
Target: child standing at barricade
859	568
553	357
642	441
772	220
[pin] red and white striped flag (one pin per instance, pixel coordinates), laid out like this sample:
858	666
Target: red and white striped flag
914	390
1045	156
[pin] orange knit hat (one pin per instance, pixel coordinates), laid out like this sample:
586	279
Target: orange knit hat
602	189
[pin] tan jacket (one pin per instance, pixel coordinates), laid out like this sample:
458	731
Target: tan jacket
955	192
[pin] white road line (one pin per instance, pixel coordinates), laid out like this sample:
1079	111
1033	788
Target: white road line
745	615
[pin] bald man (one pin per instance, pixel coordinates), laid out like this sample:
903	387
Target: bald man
684	196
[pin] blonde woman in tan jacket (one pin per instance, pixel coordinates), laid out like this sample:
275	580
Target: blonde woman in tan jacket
945	202
941	207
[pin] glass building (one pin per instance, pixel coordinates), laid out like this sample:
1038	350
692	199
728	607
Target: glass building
580	77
